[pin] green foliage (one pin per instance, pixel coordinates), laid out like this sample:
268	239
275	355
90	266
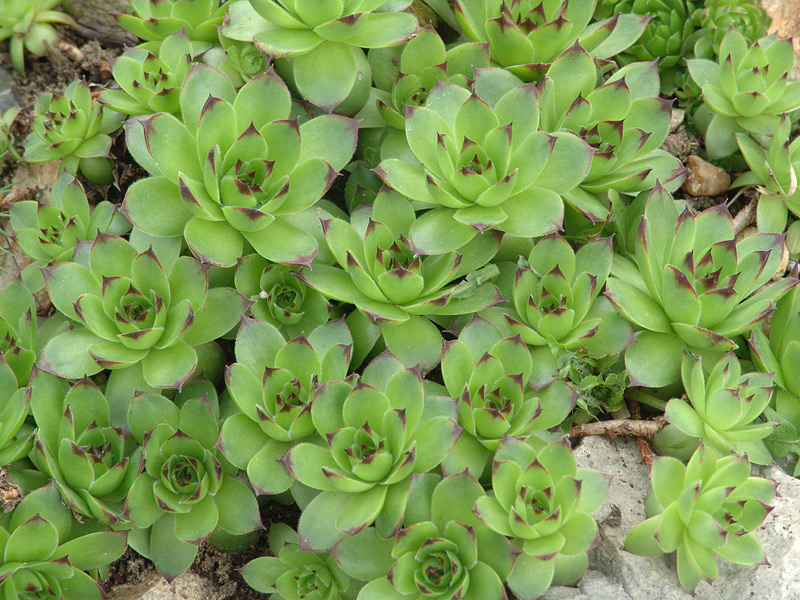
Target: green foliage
76	446
692	285
49	233
543	502
150	83
526	36
135	312
7	140
670	34
707	507
155	20
378	433
75	129
235	170
717	16
294	574
722	410
273	385
485	166
45	556
399	352
28	26
488	375
183	492
744	95
319	47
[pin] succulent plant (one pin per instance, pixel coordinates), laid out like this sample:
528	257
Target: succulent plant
556	297
710	506
777	354
386	279
717	16
723	410
20	339
183	492
773	169
377	436
6	138
670	35
49	233
236	170
488	375
150	83
294	574
133	310
318	47
525	36
75	129
747	91
484	167
273	385
27	25
155	20
407	74
624	120
76	446
240	61
692	285
279	297
16	435
444	551
44	556
543	502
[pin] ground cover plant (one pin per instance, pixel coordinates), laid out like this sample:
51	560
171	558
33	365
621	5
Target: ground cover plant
382	255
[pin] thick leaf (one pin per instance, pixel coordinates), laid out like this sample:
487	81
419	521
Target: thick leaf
416	342
170	367
655	359
238	507
67	355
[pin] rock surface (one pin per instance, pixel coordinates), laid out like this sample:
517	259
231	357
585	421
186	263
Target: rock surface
95	19
705	179
615	573
8	97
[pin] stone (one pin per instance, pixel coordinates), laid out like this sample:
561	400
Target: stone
676	119
615	573
95	20
187	586
8	97
705	179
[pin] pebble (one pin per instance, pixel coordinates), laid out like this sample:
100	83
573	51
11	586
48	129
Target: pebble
8	97
705	179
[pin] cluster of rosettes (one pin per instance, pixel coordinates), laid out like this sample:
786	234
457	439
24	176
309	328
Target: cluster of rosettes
402	365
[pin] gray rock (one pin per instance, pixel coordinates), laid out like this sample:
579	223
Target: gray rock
615	573
8	97
95	20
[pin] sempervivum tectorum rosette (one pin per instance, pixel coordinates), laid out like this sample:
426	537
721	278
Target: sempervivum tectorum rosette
319	45
692	285
525	36
543	502
747	91
393	286
135	311
235	170
380	429
484	167
273	384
